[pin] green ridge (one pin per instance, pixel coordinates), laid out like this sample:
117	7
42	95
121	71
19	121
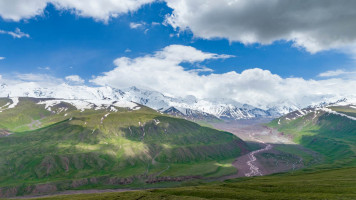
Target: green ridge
60	148
331	135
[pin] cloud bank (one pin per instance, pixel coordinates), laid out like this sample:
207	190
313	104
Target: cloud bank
102	10
313	25
163	72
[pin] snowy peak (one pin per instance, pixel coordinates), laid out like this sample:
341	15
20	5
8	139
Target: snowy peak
191	107
188	107
189	114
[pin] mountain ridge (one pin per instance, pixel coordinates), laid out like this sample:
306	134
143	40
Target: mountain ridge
189	107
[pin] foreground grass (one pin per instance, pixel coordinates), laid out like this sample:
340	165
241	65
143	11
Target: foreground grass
327	184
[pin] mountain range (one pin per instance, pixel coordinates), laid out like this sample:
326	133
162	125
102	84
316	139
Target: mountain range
188	107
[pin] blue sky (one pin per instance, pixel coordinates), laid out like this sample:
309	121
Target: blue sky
62	43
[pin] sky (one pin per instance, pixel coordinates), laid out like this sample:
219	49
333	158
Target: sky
270	51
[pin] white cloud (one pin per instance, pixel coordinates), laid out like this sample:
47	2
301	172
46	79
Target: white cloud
15	34
143	26
44	79
332	73
21	9
314	25
201	69
136	25
162	72
44	68
74	79
2	58
338	73
158	71
102	10
35	80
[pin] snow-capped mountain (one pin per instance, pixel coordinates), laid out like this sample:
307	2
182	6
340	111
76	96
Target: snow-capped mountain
187	107
192	107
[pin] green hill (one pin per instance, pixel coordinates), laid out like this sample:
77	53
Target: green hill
327	131
46	150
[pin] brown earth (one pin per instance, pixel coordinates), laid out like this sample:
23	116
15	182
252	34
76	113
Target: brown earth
263	139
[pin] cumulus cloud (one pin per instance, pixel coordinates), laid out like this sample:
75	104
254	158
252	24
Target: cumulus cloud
314	25
75	79
102	10
155	71
15	34
21	9
2	58
162	71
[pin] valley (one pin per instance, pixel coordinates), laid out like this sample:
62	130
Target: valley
63	147
272	152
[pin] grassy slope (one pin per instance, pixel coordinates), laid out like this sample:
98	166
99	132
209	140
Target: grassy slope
331	135
326	184
47	147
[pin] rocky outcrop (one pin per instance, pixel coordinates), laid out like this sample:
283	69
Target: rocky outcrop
4	133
